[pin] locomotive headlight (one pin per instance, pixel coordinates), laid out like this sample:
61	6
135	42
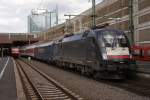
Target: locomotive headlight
104	56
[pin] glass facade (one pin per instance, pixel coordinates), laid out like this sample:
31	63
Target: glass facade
40	21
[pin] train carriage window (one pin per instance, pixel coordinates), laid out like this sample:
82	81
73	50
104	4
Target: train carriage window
41	50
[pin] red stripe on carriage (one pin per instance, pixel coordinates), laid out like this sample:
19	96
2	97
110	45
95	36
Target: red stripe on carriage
118	56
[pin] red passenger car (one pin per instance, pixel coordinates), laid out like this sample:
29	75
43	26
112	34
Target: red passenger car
28	51
15	52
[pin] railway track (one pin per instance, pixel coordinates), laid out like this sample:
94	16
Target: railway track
138	86
39	86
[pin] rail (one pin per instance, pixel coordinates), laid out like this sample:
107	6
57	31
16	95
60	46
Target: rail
38	85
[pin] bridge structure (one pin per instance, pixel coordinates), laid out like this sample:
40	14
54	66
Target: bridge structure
17	39
9	40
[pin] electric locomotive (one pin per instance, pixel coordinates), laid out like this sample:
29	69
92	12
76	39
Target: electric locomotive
104	53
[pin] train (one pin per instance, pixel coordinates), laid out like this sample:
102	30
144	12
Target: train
15	52
104	53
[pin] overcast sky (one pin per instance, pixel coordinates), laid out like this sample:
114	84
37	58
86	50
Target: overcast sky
13	13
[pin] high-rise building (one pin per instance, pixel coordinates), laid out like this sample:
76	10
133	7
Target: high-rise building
40	20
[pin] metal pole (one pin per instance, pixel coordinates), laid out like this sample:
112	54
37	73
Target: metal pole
93	13
56	14
131	23
46	20
74	26
29	39
80	24
70	24
2	52
50	23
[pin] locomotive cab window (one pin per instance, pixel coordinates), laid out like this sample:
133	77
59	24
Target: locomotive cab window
122	41
113	39
108	39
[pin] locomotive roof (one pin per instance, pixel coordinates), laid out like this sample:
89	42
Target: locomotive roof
32	46
117	31
89	33
73	37
44	44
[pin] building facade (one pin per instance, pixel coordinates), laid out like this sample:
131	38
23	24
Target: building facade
117	14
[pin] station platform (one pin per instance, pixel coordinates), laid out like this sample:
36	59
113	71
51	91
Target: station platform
7	79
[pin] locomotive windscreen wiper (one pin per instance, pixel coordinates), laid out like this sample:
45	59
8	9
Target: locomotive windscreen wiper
113	42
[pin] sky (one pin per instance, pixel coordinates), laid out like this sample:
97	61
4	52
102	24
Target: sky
13	13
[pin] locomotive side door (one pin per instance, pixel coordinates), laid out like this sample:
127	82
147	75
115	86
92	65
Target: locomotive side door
91	53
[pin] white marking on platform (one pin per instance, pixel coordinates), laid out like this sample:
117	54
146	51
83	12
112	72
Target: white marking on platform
2	72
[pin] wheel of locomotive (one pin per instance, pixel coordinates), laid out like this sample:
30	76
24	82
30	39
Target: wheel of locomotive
97	75
83	71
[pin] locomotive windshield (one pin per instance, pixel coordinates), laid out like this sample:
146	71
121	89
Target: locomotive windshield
114	39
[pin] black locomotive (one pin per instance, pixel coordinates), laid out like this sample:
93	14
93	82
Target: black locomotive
104	53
